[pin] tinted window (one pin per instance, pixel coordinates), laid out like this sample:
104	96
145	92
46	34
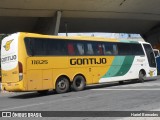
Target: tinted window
38	47
89	48
55	47
44	46
80	48
110	49
150	55
124	49
75	48
97	48
137	49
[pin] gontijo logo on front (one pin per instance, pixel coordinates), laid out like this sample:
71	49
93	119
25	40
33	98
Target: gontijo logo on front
7	45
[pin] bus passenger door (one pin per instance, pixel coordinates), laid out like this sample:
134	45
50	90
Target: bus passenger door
34	79
47	82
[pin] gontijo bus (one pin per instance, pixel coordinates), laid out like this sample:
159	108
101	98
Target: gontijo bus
34	62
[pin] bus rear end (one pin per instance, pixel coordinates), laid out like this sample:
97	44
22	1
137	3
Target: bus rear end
11	67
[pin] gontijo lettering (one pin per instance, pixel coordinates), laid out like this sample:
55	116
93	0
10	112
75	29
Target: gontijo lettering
86	61
9	58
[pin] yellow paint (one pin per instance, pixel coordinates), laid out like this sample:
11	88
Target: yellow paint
43	76
13	86
10	75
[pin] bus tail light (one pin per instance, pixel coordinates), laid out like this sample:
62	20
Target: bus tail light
20	67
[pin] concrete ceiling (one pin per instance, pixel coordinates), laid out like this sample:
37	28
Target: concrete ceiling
131	16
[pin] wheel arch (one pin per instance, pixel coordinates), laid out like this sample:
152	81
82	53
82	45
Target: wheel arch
79	74
62	75
143	71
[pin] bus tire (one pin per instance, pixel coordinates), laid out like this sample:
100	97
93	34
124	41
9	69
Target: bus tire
78	83
141	76
62	85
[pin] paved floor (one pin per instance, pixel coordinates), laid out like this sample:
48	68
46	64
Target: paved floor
131	96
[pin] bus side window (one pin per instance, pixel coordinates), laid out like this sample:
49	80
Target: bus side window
115	49
110	49
100	49
124	49
39	47
80	49
29	43
97	48
70	49
89	49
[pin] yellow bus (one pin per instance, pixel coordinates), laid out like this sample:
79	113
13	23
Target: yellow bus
35	62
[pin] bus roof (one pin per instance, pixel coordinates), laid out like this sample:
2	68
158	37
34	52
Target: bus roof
88	38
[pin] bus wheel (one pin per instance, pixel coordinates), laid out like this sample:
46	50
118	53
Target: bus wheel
62	85
78	83
141	76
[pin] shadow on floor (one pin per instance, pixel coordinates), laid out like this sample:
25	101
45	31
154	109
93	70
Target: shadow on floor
29	95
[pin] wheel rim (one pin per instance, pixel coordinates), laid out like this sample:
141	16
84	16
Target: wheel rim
62	84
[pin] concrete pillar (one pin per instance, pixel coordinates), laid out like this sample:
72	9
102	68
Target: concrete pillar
57	23
48	26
